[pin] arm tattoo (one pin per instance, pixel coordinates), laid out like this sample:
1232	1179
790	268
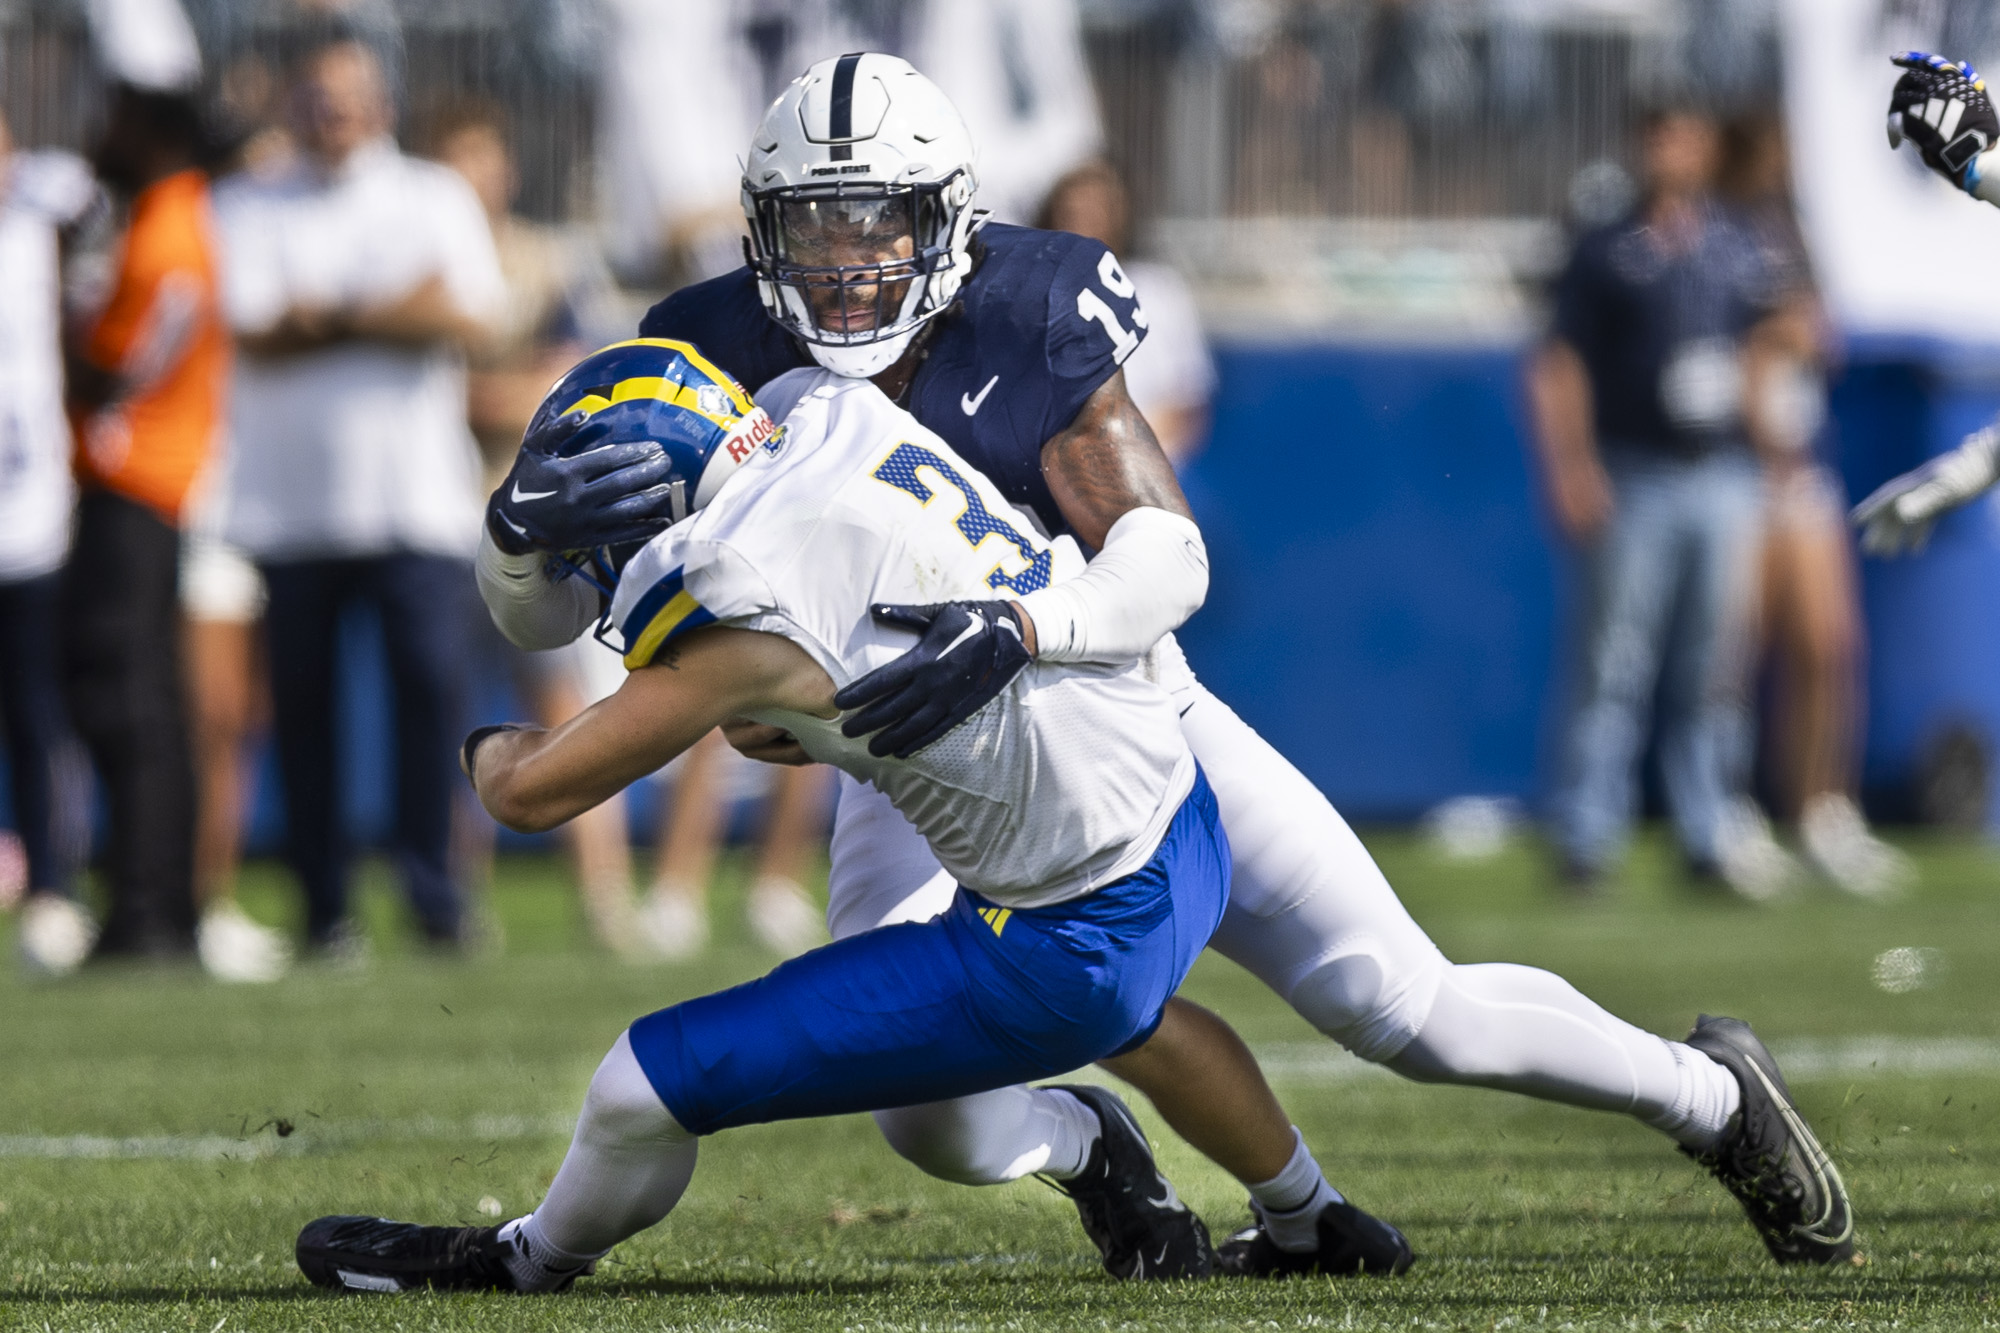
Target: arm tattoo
1107	463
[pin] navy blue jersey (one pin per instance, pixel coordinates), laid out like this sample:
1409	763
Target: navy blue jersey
1045	319
1661	332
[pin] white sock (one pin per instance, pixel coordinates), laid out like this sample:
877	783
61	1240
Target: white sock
1709	1095
1073	1130
1290	1202
535	1262
627	1166
991	1137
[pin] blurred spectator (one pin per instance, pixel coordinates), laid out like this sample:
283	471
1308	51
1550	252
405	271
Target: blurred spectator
1015	70
668	148
538	336
1170	375
693	819
222	601
41	194
146	384
356	279
1637	397
1812	609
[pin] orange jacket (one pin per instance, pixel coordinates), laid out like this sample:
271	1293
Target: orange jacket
163	334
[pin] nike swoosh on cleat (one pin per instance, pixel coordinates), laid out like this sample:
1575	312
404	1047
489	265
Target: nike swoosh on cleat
1826	1176
512	524
522	497
969	404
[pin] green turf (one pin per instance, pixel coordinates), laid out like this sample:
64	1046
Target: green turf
419	1088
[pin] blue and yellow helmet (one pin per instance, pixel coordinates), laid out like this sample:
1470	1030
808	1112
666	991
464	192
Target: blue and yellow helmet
666	391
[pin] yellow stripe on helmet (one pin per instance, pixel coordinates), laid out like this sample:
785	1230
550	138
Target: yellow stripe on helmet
722	378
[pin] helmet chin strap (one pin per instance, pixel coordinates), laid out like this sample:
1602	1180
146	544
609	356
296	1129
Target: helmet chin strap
863	360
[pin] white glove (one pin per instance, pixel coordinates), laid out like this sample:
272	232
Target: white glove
1901	512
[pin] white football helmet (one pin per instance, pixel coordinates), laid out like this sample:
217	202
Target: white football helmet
858	192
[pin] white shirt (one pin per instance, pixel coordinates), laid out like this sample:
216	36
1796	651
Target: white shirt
359	448
1063	783
39	194
1171	369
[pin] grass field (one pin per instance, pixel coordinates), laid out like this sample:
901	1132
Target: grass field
163	1138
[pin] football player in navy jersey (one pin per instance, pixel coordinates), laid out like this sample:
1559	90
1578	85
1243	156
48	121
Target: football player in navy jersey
867	258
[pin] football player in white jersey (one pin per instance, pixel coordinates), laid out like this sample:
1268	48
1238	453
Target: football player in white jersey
1070	809
867	260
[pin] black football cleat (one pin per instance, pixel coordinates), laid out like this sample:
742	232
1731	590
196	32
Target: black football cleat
1769	1158
1351	1244
1129	1209
375	1254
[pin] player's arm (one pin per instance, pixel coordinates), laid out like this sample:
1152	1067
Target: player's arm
575	486
532	780
1899	514
1115	487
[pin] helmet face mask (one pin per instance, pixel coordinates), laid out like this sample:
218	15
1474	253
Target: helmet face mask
857	239
846	265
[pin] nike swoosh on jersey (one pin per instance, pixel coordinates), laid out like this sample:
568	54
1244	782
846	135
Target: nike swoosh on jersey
969	404
522	497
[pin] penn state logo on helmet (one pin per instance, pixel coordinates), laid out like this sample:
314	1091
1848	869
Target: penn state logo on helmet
858	191
667	392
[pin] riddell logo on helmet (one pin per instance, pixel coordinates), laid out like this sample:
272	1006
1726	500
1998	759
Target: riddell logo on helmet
756	430
844	169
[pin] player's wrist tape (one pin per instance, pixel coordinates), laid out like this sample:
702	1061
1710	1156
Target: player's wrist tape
1150	577
469	751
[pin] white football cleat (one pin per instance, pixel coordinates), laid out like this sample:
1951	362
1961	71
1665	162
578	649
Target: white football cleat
674	924
784	918
232	947
1749	859
55	934
1838	844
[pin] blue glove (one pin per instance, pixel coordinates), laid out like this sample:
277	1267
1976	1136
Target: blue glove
966	655
569	490
1943	109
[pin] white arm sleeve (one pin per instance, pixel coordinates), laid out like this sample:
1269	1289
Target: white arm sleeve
534	611
1150	577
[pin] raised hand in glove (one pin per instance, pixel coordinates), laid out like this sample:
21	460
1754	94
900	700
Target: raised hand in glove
1944	110
965	655
1900	514
574	489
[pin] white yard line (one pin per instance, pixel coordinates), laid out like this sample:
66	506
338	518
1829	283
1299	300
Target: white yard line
1803	1060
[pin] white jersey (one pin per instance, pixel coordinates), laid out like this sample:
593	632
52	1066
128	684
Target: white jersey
1063	783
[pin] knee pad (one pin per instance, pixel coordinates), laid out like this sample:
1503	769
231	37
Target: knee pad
1366	999
622	1105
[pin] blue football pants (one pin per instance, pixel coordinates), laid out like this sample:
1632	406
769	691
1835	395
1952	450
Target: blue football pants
978	998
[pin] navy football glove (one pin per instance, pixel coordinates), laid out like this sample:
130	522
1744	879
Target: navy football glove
1944	110
571	491
965	655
